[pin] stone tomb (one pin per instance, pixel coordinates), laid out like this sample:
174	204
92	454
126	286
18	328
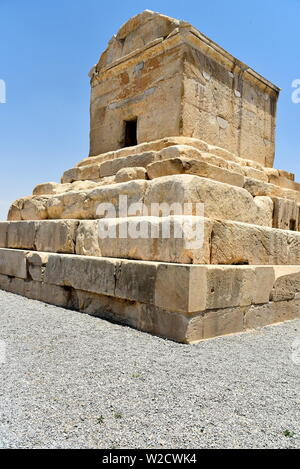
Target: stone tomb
175	119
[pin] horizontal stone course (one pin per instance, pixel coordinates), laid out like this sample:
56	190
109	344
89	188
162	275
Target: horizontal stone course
199	168
175	239
182	302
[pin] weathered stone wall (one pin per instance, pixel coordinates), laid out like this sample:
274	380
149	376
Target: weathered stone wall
175	81
147	89
226	107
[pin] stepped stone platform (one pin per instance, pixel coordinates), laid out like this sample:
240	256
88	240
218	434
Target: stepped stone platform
175	121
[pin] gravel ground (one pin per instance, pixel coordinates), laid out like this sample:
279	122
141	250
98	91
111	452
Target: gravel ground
75	381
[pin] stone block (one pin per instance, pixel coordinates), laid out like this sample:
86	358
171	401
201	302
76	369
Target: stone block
49	188
287	283
136	281
221	201
111	167
13	263
179	239
21	234
286	214
56	236
199	168
241	243
271	313
90	274
87	239
3	234
129	174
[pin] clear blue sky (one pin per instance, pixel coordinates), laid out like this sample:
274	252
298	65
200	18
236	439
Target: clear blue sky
48	47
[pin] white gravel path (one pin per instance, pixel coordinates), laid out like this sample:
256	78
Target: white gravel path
74	381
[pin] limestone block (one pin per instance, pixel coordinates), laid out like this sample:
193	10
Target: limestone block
133	190
260	188
229	286
28	208
3	234
271	172
21	234
89	172
36	290
56	236
286	214
110	168
146	317
17	286
87	239
284	182
70	175
221	201
215	323
240	243
255	174
287	284
13	263
265	210
4	282
34	208
223	153
15	210
84	204
199	168
128	174
190	289
86	185
52	294
183	151
264	281
270	313
181	288
84	273
136	281
50	188
154	146
179	239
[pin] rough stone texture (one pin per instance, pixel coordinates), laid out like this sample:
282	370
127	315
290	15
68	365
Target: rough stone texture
110	168
240	243
128	174
56	236
175	120
170	239
13	263
220	200
205	93
178	239
286	214
199	168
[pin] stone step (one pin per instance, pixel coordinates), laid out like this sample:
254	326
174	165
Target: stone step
260	188
155	146
198	168
220	200
258	180
110	167
284	182
165	143
177	239
186	303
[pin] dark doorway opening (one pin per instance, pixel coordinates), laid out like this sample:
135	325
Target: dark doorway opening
293	225
130	138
